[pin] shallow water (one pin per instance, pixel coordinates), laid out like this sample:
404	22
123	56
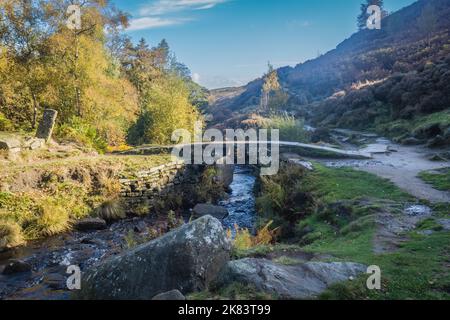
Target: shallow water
241	202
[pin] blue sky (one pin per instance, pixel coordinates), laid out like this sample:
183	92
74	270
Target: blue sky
228	42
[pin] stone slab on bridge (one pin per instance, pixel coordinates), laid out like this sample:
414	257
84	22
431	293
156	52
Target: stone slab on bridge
303	149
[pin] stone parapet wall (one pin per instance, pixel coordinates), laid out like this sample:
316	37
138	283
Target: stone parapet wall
157	181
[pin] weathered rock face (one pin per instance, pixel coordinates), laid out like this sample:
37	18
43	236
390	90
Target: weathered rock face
45	128
302	281
217	212
187	259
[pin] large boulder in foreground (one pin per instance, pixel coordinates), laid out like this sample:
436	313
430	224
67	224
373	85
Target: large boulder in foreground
304	281
217	212
187	259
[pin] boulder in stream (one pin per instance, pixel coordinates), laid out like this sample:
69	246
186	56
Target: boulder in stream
16	266
90	224
187	259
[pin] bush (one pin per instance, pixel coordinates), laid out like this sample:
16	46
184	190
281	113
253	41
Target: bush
81	133
5	124
291	129
111	210
10	235
52	218
243	240
284	199
167	109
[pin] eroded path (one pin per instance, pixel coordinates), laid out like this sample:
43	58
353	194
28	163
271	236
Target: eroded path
401	165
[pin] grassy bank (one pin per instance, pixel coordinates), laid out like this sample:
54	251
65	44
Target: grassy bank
342	224
42	199
439	179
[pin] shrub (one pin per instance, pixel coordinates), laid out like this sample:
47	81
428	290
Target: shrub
81	133
284	196
291	129
243	239
209	190
5	124
10	235
111	210
167	109
51	219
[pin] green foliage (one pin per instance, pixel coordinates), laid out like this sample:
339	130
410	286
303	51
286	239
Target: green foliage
439	179
5	124
291	129
333	185
284	199
52	218
209	190
111	210
10	234
82	133
97	81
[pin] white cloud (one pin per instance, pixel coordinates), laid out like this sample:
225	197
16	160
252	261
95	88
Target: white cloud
154	22
160	7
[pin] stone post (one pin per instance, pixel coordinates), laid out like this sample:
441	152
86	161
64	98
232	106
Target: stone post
47	124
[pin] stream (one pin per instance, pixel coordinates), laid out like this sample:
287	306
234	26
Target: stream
241	202
49	258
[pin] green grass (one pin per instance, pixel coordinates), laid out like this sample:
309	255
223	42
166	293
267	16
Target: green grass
439	118
401	128
291	129
58	192
333	185
439	179
419	269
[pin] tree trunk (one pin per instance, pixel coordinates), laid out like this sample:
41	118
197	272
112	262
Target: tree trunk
77	87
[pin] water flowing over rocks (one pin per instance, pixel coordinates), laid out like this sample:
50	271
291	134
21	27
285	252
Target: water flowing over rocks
303	281
187	259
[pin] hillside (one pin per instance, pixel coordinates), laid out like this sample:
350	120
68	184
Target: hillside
398	72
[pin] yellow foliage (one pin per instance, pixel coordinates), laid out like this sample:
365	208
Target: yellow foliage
10	235
243	239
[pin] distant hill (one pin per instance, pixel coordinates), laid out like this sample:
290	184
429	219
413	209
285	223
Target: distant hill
404	44
374	78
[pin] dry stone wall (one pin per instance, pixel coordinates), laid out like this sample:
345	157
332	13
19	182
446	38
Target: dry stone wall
155	182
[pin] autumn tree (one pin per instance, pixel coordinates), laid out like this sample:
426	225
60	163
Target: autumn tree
270	85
